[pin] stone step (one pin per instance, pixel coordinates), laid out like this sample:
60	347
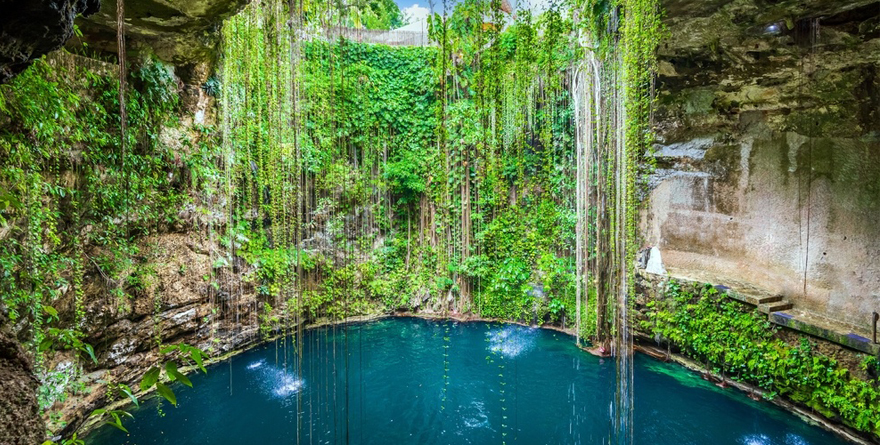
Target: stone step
858	338
769	308
813	326
766	299
753	298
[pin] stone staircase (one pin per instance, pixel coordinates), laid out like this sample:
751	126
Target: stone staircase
764	301
782	312
772	304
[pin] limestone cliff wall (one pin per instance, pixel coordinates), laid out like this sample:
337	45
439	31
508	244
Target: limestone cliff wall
769	155
185	302
179	304
19	414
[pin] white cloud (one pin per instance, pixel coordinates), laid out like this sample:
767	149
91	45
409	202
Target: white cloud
417	16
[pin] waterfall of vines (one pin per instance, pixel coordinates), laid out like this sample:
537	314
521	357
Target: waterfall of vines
442	174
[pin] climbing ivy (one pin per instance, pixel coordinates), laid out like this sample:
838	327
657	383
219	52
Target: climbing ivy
350	176
739	342
73	207
456	161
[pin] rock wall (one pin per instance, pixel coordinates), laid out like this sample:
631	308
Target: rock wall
178	305
769	155
20	423
173	292
181	32
31	28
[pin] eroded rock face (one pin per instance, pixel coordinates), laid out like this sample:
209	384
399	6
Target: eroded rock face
769	126
31	28
180	305
180	32
20	421
185	33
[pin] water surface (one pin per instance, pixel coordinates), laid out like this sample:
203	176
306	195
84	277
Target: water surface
413	381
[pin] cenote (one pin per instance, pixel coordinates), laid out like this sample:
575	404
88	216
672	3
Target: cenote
414	381
693	179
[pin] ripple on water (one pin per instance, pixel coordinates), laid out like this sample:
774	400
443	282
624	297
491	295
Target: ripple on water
475	416
275	380
511	341
755	439
553	393
794	439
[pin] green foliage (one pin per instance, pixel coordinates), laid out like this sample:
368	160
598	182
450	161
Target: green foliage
741	343
157	377
211	87
447	172
376	14
406	178
268	321
68	168
558	285
61	339
362	98
66	185
115	416
57	385
507	297
871	365
459	157
369	14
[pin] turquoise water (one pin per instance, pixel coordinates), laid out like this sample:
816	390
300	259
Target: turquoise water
412	381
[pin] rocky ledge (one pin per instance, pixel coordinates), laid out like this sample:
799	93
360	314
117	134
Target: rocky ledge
29	29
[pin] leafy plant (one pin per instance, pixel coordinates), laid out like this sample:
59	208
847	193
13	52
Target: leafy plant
211	87
156	378
740	342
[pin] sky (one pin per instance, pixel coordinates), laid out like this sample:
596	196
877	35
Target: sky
403	4
418	10
415	9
